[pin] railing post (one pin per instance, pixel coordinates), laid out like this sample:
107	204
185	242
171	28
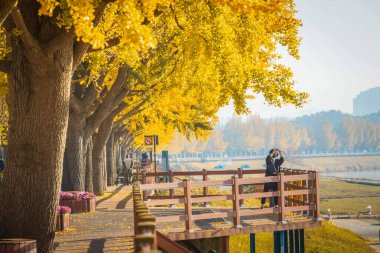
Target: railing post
299	187
144	182
171	180
316	196
310	185
235	201
205	189
188	207
136	167
144	224
241	188
304	197
281	198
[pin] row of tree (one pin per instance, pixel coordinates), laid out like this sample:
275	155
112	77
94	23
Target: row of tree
325	131
84	80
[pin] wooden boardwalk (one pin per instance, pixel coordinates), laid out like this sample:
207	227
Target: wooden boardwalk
109	229
224	226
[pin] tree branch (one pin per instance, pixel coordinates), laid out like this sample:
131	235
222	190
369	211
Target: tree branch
176	19
110	43
119	98
131	113
31	44
104	108
5	66
89	99
115	112
80	48
75	104
5	9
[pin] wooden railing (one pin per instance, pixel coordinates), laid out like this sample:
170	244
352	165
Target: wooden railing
148	177
297	191
144	224
147	239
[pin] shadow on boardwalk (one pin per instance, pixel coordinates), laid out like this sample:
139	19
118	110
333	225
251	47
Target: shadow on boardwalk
109	229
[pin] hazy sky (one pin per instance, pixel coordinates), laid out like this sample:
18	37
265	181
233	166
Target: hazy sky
340	56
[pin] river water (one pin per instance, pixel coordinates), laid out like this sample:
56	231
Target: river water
360	174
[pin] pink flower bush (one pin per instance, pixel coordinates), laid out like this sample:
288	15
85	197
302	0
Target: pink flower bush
85	195
64	209
66	195
77	195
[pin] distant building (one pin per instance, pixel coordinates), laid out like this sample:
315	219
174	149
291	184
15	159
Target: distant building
367	102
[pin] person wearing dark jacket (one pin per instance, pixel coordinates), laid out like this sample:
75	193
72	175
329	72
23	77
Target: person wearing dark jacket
273	161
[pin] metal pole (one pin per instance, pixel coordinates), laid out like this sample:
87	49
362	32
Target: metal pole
291	241
302	241
252	243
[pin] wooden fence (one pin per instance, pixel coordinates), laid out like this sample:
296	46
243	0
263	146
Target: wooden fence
297	191
146	238
148	177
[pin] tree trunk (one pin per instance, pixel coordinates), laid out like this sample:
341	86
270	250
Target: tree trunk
98	158
89	167
104	166
38	116
75	152
111	160
97	162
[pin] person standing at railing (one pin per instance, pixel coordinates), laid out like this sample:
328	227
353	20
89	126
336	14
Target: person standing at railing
273	162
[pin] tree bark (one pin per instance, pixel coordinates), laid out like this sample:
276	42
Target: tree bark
98	158
38	116
75	152
111	160
89	167
104	167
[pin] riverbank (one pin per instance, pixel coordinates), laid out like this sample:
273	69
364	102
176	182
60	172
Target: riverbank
355	180
320	164
347	197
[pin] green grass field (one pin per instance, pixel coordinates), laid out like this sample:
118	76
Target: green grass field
341	196
325	239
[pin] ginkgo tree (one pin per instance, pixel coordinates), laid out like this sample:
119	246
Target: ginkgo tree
221	49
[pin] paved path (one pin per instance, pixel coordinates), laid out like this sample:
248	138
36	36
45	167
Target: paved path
366	228
109	229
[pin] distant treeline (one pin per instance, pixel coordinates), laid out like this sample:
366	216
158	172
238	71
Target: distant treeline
331	131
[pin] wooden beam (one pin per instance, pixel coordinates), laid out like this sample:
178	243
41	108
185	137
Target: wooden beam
209	233
236	201
188	205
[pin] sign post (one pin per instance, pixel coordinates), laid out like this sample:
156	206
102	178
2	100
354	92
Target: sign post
150	140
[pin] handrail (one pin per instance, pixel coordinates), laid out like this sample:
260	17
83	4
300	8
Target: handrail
297	191
144	224
170	246
148	176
